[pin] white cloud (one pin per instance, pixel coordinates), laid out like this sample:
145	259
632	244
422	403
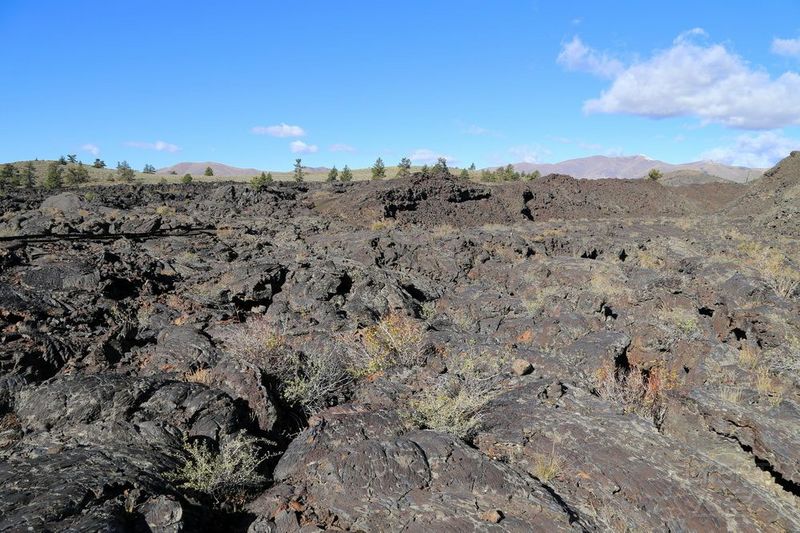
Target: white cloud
528	154
754	150
339	147
159	146
279	130
577	56
786	47
426	156
91	148
299	147
706	81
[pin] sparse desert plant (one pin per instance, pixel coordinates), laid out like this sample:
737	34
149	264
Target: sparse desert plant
454	404
201	375
778	270
731	394
256	341
683	320
312	379
450	411
382	224
165	210
637	390
768	387
225	473
395	340
749	356
307	380
547	466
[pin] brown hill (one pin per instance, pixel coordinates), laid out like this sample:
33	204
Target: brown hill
198	169
633	167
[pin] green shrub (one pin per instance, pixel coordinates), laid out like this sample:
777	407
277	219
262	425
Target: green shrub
224	474
187	178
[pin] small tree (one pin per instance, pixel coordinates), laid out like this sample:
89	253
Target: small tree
333	174
187	178
149	169
62	160
654	174
53	179
464	174
209	171
441	166
262	180
404	168
72	158
347	174
472	167
125	172
77	174
378	170
28	175
8	176
533	175
425	171
298	170
99	163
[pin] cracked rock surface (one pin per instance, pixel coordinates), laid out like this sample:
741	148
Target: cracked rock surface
555	355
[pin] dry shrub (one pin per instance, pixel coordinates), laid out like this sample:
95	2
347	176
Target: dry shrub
768	387
201	375
309	380
256	341
778	270
223	474
749	356
683	320
383	224
640	391
394	341
453	405
547	466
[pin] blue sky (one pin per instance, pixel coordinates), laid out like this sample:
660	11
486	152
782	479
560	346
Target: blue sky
256	84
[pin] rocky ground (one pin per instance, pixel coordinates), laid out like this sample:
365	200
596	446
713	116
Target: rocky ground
424	354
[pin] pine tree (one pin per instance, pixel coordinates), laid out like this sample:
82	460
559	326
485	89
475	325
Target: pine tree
125	172
464	174
187	178
77	174
654	174
149	169
99	163
347	174
298	170
28	175
262	180
333	174
378	170
209	171
53	179
73	158
441	166
472	167
404	168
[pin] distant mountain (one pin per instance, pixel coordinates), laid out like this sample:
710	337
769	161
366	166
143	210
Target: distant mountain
197	169
637	166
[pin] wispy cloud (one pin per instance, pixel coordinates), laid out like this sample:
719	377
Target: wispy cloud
91	148
279	130
159	146
339	147
299	147
754	150
786	47
577	56
427	156
706	81
525	153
